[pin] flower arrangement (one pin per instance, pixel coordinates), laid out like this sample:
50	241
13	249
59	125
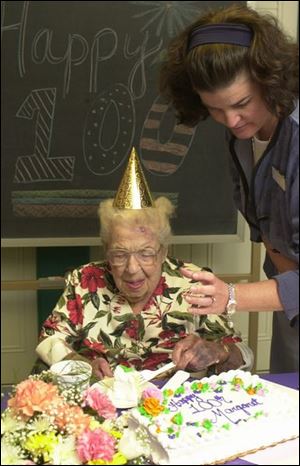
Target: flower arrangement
48	424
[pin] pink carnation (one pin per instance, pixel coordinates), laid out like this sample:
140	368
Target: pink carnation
95	445
152	392
100	402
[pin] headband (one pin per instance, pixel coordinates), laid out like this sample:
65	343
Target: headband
221	33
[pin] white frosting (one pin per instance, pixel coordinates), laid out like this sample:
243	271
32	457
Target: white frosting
230	422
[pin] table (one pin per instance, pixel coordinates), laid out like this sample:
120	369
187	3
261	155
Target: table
290	380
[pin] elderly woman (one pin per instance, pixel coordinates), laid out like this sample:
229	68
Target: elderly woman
130	309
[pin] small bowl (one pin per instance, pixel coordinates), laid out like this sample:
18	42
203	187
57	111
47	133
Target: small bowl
72	373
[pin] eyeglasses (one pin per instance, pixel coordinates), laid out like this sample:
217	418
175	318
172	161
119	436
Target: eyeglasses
119	257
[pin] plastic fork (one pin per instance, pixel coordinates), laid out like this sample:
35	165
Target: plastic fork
147	374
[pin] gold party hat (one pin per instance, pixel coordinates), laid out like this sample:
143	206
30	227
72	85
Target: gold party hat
133	192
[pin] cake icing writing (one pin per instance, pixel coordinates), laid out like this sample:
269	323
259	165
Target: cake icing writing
198	399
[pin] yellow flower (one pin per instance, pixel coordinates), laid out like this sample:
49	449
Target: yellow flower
115	433
41	444
109	427
118	458
97	462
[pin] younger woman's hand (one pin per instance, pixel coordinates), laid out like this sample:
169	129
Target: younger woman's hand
209	295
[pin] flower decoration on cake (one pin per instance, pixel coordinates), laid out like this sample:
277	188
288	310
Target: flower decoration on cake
151	407
200	387
46	424
237	383
177	419
256	389
152	392
252	389
207	424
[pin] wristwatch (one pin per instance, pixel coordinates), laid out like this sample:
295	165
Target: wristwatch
231	304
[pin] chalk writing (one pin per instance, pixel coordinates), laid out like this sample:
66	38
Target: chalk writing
38	166
111	113
164	157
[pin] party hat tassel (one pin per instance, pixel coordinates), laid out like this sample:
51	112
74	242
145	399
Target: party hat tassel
133	192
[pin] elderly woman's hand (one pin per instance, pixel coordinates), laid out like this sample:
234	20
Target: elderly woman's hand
101	368
195	353
209	295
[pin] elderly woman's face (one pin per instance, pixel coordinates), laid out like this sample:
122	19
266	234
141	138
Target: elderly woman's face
136	275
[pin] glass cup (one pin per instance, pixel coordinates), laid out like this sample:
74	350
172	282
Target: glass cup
72	373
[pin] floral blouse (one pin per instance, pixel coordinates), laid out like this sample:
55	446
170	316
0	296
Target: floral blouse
94	319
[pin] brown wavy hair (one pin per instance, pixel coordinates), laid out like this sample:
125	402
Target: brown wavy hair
271	61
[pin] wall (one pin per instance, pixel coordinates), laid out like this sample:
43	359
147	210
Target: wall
18	316
19	309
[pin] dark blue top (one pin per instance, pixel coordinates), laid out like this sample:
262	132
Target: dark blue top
267	194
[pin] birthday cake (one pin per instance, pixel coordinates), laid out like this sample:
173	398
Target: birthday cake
214	419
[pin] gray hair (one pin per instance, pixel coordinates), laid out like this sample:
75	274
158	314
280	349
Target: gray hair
156	218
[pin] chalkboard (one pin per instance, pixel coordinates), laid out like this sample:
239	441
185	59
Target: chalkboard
79	90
